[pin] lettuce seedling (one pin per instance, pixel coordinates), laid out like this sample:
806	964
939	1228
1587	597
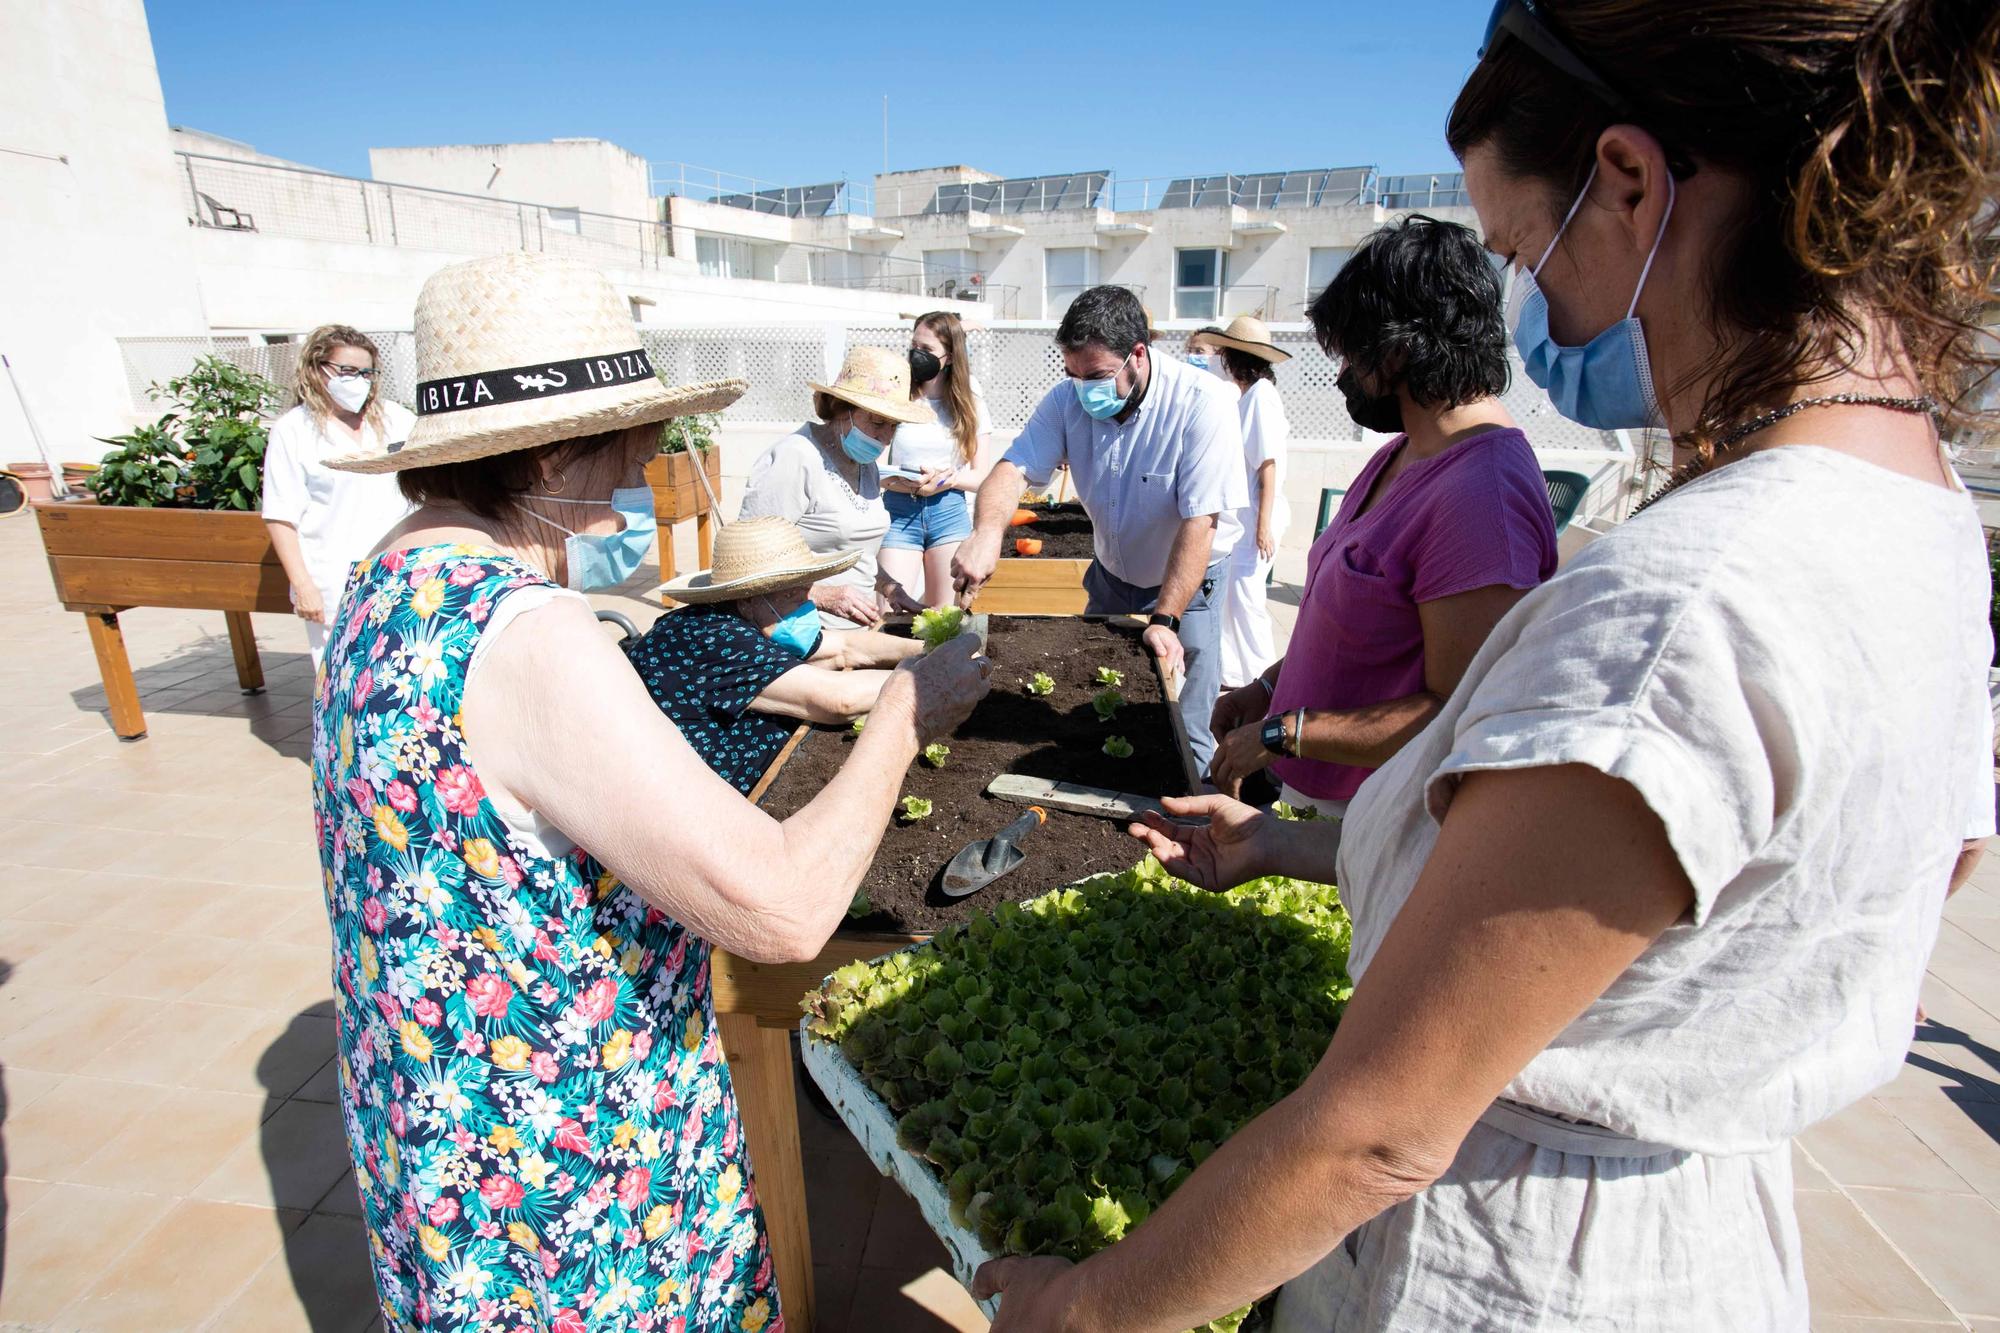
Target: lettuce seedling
859	723
935	753
1107	703
1110	676
1041	684
939	625
915	808
1118	747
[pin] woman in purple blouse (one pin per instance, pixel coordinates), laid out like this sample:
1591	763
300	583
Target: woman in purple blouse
1444	530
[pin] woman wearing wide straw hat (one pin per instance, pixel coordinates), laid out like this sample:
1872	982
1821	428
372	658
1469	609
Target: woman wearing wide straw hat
1246	355
744	659
823	477
525	862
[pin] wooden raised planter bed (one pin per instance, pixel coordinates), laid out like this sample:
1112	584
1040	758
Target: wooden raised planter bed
1047	584
757	1009
107	560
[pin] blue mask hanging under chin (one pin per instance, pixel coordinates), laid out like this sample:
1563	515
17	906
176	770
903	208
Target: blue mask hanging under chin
1606	384
799	630
607	560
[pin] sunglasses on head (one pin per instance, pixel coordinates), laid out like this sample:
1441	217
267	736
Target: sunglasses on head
1523	21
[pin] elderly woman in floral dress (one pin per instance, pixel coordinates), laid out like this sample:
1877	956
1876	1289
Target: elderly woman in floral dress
526	864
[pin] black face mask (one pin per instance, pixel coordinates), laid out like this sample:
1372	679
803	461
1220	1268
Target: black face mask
923	367
1380	412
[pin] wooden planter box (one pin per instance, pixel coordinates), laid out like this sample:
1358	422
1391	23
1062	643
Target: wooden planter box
108	559
1036	586
678	495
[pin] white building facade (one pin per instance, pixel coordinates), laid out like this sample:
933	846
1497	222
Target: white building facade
1196	249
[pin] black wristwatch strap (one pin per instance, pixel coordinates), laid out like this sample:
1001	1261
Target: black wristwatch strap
1272	734
1162	618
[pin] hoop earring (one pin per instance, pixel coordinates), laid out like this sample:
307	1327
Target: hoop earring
557	489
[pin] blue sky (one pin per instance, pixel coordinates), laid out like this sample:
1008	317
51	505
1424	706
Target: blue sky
793	92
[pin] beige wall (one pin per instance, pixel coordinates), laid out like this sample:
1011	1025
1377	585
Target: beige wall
1277	259
257	283
591	174
94	248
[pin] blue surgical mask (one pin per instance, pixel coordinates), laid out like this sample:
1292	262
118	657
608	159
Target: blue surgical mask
1606	384
1200	361
799	631
607	560
1100	398
859	447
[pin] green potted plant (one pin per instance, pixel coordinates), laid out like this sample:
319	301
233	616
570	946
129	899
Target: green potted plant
686	443
205	452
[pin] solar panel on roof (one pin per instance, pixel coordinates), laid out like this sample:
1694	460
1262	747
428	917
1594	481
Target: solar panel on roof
789	200
1299	189
1346	187
1259	191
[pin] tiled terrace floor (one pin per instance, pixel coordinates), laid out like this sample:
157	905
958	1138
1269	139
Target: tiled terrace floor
173	1158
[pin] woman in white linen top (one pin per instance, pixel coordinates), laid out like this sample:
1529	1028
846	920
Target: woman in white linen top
824	478
1654	892
322	521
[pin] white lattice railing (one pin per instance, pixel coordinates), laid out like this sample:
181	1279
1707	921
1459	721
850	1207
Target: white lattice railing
1016	366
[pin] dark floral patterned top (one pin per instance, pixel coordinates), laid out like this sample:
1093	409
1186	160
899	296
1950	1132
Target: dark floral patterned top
540	1116
704	666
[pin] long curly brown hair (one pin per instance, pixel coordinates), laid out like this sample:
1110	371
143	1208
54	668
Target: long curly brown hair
1869	131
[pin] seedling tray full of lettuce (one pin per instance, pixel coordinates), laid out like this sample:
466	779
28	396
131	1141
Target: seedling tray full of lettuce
1041	1078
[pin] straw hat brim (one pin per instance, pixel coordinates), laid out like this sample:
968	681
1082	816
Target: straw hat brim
911	412
483	432
702	587
1265	350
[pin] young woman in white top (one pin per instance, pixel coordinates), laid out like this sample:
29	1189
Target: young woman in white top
1244	354
322	521
824	477
1654	891
931	513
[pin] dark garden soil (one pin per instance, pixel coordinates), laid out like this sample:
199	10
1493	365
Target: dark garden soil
1057	737
1064	531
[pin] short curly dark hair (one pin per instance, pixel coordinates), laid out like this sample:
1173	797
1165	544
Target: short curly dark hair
1419	304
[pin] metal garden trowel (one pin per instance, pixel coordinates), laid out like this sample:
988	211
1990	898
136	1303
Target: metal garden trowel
980	863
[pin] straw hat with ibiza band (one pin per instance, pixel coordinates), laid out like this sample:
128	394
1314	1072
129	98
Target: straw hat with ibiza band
877	380
755	555
519	350
1247	333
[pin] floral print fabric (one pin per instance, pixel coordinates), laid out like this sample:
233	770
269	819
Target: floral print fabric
540	1116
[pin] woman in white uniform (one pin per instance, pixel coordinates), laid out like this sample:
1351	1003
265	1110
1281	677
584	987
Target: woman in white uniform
823	477
1654	892
1244	354
322	521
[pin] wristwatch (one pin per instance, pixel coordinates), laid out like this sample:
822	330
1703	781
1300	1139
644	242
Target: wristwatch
1272	733
1162	618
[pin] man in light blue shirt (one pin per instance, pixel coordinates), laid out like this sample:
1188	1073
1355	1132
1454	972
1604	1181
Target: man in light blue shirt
1155	449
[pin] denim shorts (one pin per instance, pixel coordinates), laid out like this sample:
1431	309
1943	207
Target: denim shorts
917	523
